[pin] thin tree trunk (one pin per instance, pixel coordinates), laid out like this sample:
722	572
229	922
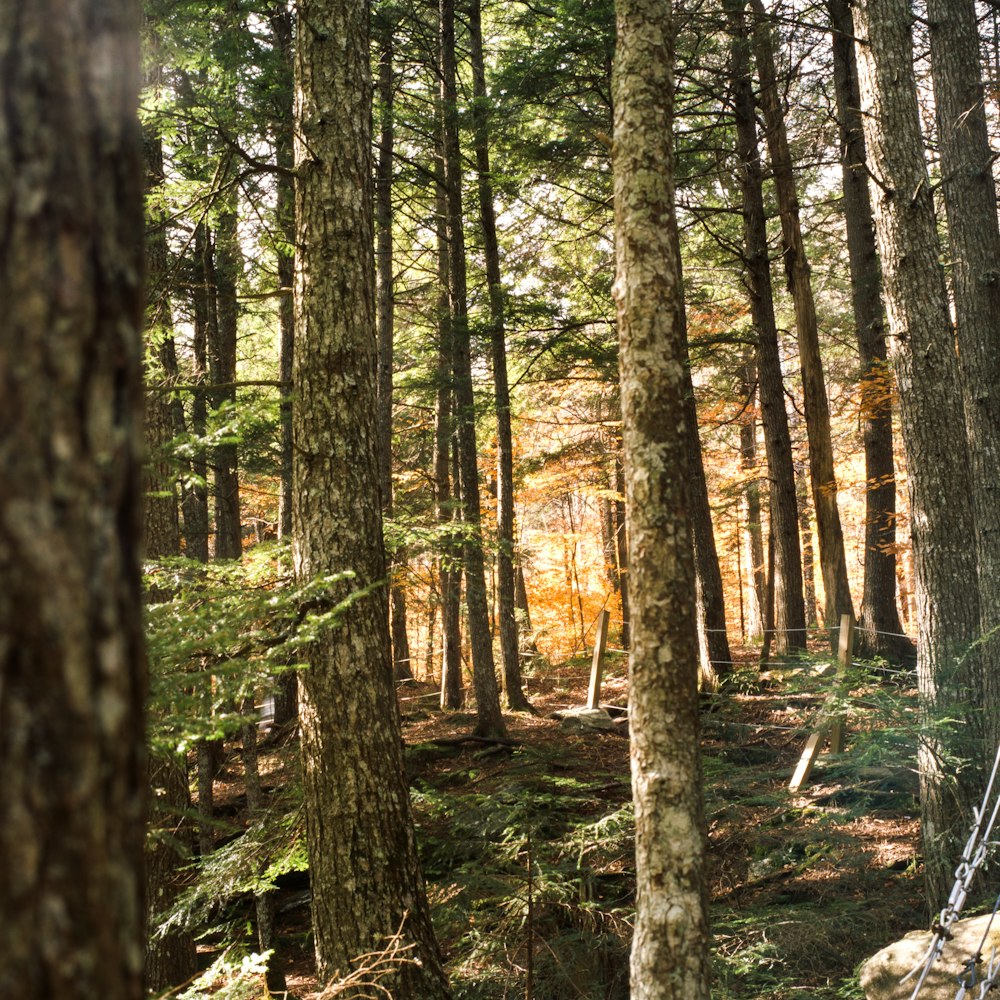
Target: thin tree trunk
449	563
511	676
225	265
789	608
833	563
933	425
670	958
880	631
489	720
385	308
754	545
622	542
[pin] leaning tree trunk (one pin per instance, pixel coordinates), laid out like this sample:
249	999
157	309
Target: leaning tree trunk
933	424
970	200
365	881
670	958
72	658
833	563
789	607
489	720
880	632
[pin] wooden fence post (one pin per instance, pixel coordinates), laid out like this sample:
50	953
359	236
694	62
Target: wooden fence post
832	726
597	665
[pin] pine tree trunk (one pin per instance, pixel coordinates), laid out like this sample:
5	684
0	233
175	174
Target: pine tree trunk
970	200
833	563
225	265
754	545
880	630
670	945
933	425
489	720
72	657
449	563
510	658
366	885
385	308
789	607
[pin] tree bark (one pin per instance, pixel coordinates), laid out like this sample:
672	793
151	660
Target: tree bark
923	355
489	720
789	606
366	885
670	945
72	657
510	658
385	308
970	201
880	631
754	545
833	563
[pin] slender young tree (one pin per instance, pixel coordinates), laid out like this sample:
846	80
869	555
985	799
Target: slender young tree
881	633
933	424
670	946
510	657
365	881
489	720
789	622
823	480
72	657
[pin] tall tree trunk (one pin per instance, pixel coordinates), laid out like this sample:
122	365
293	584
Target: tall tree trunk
754	545
366	885
789	607
225	265
622	542
449	563
970	200
933	425
72	658
714	641
510	658
880	631
385	307
670	945
170	957
489	720
833	563
267	937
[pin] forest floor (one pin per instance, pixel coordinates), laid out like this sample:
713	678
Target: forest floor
527	850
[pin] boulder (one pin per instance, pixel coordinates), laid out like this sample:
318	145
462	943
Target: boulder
881	974
584	719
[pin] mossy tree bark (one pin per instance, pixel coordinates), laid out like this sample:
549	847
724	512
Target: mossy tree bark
670	946
72	658
366	885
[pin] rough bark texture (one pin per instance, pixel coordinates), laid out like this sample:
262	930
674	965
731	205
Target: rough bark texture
670	946
72	660
385	309
923	355
789	607
489	720
362	857
970	200
880	631
833	563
